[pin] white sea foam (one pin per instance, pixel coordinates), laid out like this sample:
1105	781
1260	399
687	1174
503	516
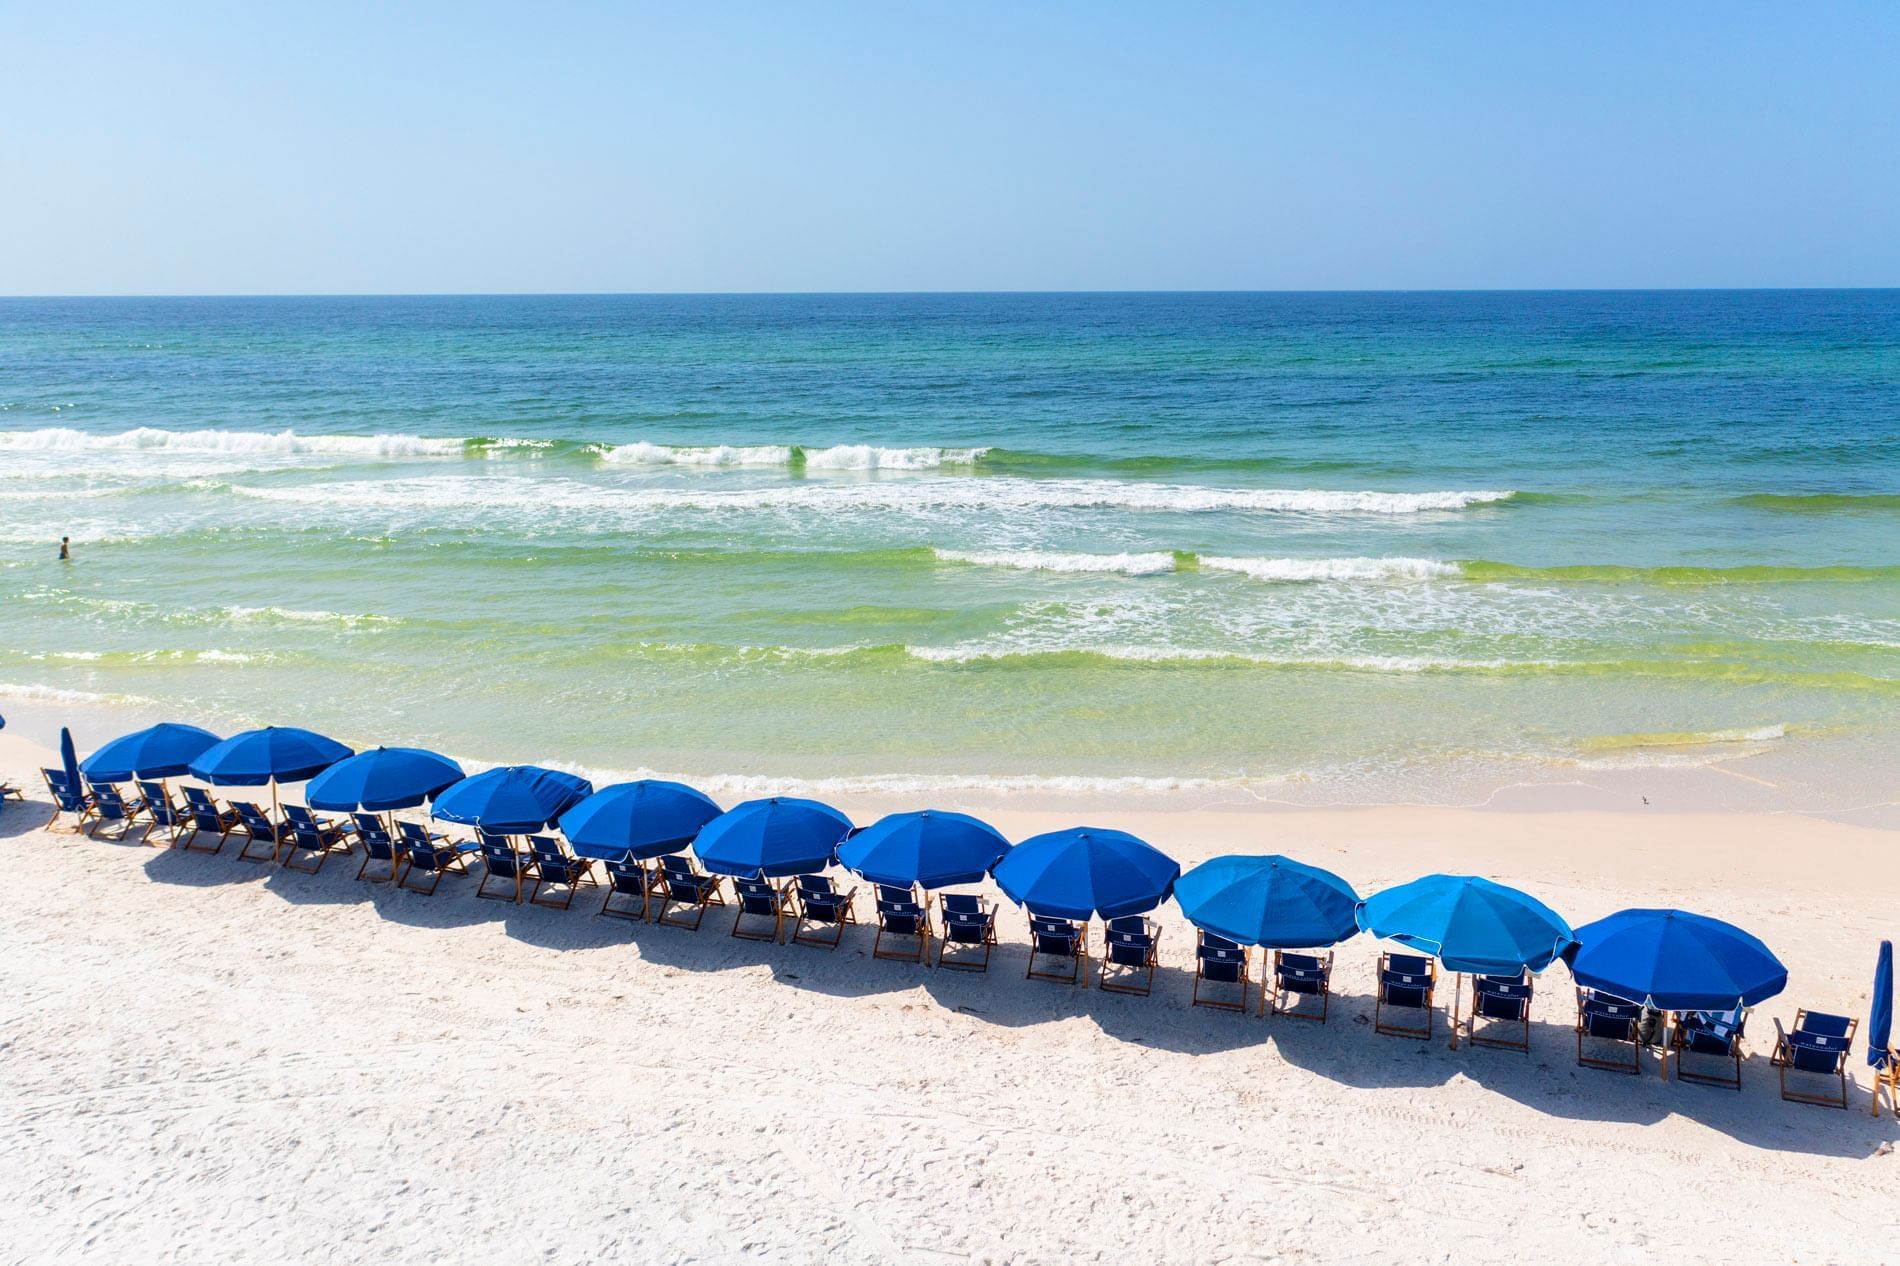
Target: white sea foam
871	457
1047	560
738	786
60	438
1312	569
28	691
645	454
838	457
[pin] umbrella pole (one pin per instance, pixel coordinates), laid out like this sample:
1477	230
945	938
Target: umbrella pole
1457	1005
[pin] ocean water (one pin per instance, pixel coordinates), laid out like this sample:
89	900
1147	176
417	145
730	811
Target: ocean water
1327	547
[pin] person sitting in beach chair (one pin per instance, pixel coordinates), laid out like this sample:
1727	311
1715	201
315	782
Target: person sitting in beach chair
1500	1012
1219	961
628	879
684	887
1717	1034
1603	1017
821	905
206	816
1130	951
555	867
67	799
431	854
759	899
161	812
310	836
258	829
379	847
1298	976
501	862
108	806
901	915
1818	1046
1406	984
965	920
1063	940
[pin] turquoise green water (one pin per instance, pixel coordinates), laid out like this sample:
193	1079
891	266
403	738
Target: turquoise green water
1345	546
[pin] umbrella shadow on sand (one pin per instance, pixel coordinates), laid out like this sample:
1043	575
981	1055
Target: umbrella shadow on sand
188	869
24	817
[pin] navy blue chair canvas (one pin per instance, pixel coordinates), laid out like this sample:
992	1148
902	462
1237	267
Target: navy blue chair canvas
1219	962
69	799
1605	1018
1500	1012
628	880
379	848
1130	953
686	892
503	864
310	837
1817	1047
1298	980
901	917
1708	1035
110	809
206	819
966	931
1406	985
1062	940
427	854
759	899
558	874
161	812
258	828
821	906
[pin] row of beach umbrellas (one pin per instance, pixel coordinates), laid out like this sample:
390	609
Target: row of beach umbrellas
1671	959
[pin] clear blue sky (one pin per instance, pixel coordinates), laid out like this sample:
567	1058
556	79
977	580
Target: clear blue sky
244	148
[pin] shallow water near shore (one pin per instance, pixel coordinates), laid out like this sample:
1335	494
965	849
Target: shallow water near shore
1317	547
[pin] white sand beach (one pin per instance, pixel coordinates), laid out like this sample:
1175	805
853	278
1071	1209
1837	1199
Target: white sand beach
212	1061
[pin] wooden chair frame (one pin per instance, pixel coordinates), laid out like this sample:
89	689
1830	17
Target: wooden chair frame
1280	994
1487	1034
1120	982
251	837
1244	980
845	914
331	835
226	818
575	873
1079	967
81	815
781	899
1633	1065
1381	1025
985	917
457	864
1677	1044
1783	1060
644	873
707	896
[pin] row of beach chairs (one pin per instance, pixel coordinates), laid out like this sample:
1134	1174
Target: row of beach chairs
1611	1032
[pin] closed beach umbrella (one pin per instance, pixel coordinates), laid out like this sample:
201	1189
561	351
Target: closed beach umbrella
1086	871
929	848
381	779
274	754
1469	924
771	838
1676	961
1880	1019
68	759
511	799
165	750
641	819
1271	901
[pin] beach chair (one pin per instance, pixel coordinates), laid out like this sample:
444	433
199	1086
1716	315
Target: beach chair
67	799
1063	940
555	867
10	792
110	806
760	899
379	846
901	915
1603	1017
1406	984
685	888
1129	955
1716	1034
1818	1046
968	922
502	861
161	812
628	878
258	829
1297	977
1887	1078
1219	961
433	855
821	905
206	816
1500	1012
307	835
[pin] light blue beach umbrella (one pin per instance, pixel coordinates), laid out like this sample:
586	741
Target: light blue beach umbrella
273	754
165	750
648	818
1469	924
1272	901
1086	872
511	799
772	838
929	848
381	779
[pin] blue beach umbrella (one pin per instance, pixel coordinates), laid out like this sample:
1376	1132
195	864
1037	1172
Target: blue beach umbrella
1272	901
511	799
1676	961
641	819
1469	924
928	848
69	759
1880	1019
381	779
1086	871
771	838
274	754
165	750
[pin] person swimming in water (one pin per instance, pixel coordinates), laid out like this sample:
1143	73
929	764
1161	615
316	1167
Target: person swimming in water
65	549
